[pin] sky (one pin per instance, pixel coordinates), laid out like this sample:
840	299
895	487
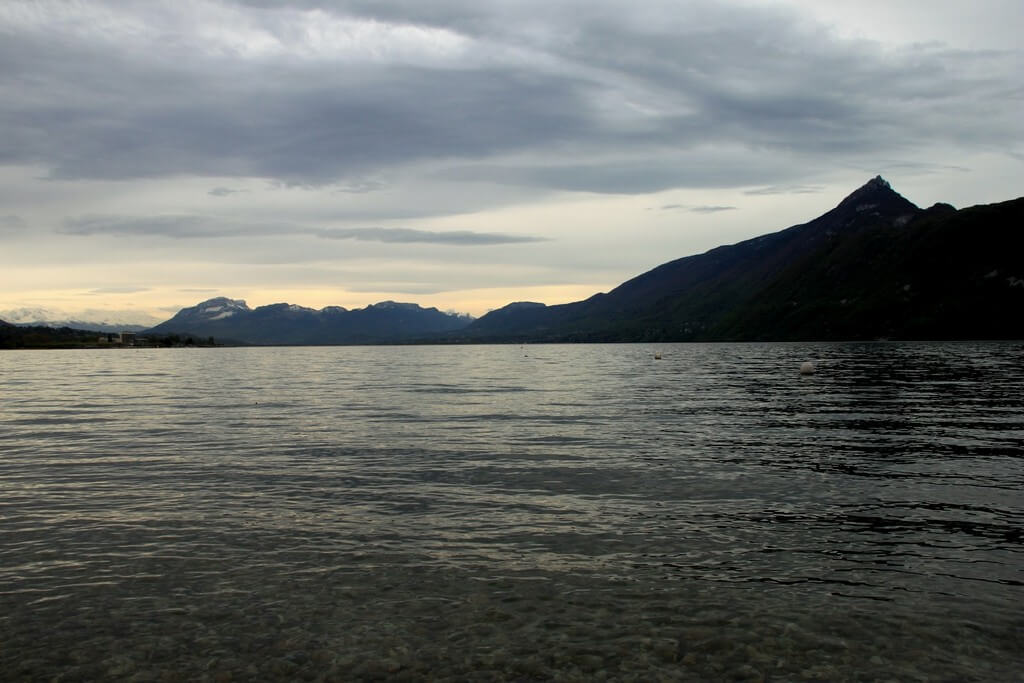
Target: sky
466	154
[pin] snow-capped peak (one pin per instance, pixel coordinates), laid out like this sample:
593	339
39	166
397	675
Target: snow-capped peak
21	316
219	308
87	319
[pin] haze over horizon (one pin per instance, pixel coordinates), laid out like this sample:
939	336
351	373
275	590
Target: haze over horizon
466	155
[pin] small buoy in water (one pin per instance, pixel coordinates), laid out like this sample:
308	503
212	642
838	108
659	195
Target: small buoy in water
657	355
807	368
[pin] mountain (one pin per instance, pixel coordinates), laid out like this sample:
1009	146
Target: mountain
385	322
92	320
202	315
875	266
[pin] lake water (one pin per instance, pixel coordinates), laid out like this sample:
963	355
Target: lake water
579	512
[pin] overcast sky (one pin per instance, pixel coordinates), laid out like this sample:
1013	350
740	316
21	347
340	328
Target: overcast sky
468	153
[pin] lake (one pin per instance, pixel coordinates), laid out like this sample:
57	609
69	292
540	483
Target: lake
562	512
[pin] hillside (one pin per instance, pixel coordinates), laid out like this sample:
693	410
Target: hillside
875	266
43	337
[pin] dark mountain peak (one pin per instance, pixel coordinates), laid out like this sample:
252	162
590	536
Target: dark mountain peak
874	194
879	182
511	320
940	209
876	184
874	202
512	309
519	305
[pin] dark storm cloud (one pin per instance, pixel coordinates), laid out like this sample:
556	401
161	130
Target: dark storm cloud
297	123
193	227
629	93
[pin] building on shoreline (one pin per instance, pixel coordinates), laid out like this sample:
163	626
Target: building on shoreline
118	338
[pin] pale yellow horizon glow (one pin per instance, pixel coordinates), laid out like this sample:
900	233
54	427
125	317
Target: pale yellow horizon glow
162	304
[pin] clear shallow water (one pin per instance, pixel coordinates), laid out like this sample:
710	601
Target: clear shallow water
499	513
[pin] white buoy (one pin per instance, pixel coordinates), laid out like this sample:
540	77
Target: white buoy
807	368
657	355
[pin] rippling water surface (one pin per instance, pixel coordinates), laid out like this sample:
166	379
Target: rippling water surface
578	512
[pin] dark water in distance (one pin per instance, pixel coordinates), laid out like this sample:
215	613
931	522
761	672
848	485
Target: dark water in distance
577	512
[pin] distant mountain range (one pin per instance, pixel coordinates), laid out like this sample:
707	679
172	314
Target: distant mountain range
95	321
385	322
874	267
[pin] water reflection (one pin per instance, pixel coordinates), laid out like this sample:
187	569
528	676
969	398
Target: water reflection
453	512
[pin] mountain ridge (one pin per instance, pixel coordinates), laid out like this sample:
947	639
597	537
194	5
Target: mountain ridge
874	266
284	323
108	321
715	296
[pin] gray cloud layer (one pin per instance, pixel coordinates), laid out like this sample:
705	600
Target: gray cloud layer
223	192
408	236
198	227
785	189
11	223
697	209
711	209
118	290
641	97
